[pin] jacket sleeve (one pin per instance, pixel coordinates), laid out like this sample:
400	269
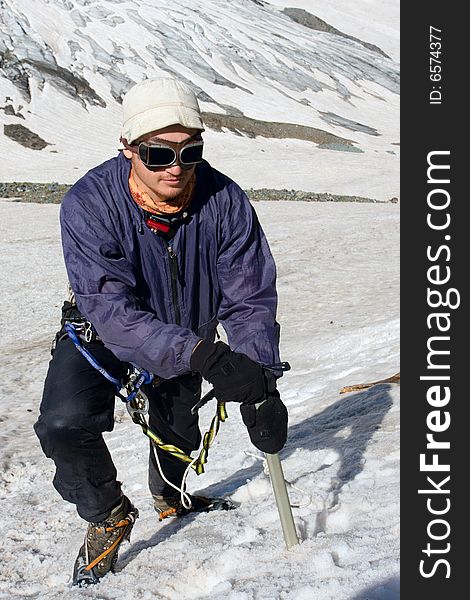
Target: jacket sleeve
104	281
247	278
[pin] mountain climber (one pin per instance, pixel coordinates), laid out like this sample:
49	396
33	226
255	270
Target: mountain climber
159	248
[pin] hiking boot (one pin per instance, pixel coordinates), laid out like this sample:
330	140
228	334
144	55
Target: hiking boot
164	503
171	506
99	553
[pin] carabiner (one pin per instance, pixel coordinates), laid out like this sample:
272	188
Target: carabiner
139	405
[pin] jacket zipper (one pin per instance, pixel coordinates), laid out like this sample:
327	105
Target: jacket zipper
174	274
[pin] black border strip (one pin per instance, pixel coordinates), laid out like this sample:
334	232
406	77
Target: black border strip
434	270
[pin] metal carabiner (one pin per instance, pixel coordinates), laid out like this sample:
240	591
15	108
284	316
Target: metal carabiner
139	405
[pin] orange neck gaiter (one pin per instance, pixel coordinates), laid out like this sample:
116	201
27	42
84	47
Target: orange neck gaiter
169	207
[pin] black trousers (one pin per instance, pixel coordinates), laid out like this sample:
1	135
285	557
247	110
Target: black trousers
78	406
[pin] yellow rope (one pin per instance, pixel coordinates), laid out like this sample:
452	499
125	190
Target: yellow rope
198	466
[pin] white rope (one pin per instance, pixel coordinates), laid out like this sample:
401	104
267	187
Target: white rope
184	496
294	487
310	498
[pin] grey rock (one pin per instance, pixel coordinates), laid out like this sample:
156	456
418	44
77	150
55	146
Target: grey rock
54	192
24	136
307	19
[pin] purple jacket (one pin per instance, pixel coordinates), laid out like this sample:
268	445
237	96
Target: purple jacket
150	306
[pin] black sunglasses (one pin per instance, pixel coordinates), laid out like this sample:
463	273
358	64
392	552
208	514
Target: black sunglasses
158	154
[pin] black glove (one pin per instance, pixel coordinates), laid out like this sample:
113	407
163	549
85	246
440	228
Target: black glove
235	377
267	424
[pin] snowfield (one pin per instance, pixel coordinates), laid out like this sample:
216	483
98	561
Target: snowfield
338	273
64	68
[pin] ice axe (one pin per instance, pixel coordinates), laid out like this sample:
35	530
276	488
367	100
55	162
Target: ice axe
275	472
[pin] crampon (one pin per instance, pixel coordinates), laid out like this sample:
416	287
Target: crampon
99	552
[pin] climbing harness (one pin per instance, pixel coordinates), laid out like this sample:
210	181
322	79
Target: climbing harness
70	329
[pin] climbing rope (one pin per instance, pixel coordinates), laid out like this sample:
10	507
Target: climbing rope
289	483
137	415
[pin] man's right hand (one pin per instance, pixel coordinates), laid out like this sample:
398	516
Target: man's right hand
234	376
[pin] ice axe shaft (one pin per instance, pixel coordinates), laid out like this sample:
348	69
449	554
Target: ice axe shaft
282	500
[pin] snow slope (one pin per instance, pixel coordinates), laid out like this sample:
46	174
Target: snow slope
338	287
373	21
67	63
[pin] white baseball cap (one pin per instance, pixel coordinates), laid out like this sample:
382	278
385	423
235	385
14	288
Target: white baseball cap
157	103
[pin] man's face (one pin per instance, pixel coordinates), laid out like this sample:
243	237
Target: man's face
166	182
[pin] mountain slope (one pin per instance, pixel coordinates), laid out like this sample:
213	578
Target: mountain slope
66	65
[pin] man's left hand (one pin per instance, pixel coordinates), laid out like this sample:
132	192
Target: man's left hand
267	424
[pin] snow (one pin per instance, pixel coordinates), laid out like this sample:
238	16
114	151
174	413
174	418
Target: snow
338	283
338	274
